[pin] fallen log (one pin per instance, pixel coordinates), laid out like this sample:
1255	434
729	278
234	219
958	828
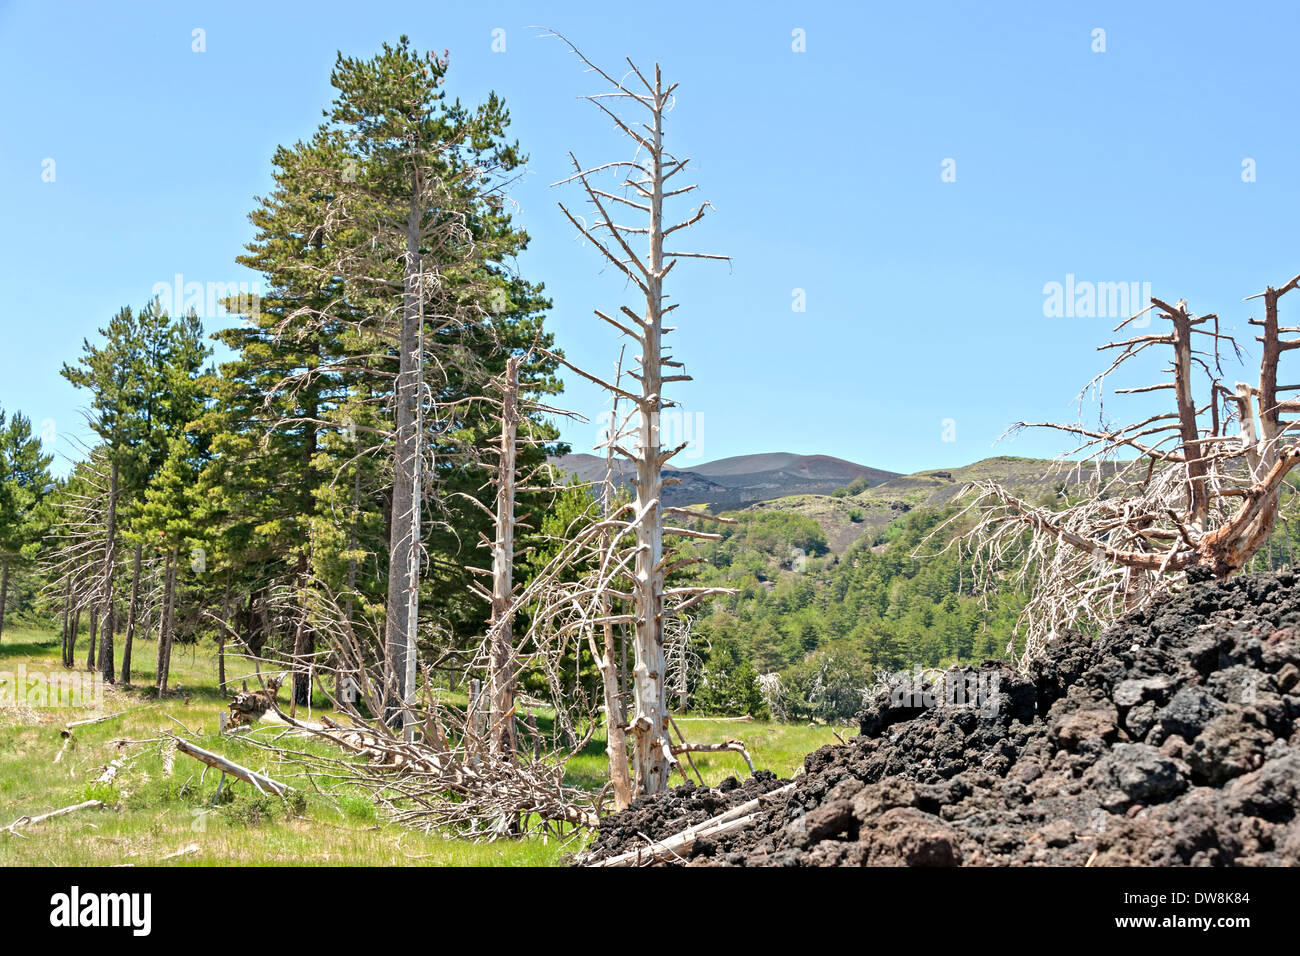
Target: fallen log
39	818
680	844
261	782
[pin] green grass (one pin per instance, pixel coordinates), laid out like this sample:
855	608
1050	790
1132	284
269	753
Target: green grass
152	815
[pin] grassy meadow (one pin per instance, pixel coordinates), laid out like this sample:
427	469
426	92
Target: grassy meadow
154	818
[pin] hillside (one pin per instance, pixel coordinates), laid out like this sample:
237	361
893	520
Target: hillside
744	479
847	519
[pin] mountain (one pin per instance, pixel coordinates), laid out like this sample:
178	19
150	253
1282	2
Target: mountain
845	520
742	480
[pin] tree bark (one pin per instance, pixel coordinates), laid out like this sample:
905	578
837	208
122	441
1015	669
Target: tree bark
615	726
402	543
94	636
67	616
72	638
168	622
303	644
106	657
221	637
131	612
652	759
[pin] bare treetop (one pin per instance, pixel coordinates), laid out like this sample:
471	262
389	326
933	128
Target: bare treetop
1194	490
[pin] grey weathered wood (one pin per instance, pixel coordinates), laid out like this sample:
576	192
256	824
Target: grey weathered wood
27	820
261	782
501	689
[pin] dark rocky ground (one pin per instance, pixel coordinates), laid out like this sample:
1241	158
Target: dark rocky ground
1172	739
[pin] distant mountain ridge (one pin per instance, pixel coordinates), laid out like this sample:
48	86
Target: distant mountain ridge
740	480
846	520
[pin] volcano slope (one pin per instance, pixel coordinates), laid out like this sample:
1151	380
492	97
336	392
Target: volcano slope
1173	739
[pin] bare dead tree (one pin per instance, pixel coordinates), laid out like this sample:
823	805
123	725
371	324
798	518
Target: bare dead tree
684	658
1192	491
167	620
644	188
106	602
79	562
449	774
501	711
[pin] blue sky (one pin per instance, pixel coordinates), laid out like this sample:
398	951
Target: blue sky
925	315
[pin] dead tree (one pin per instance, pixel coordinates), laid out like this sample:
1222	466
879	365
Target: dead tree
106	602
132	613
504	653
1194	491
644	188
444	776
501	693
613	647
79	557
167	621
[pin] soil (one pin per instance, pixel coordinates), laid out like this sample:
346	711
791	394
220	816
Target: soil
1173	738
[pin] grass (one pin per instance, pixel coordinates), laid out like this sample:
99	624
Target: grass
152	818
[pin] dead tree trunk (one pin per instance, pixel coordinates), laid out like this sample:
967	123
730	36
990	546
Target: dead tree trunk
649	720
403	567
501	706
1198	496
94	636
167	623
67	615
72	638
131	613
106	659
612	659
221	636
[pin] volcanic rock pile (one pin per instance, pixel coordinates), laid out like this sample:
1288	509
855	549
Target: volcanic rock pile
1171	739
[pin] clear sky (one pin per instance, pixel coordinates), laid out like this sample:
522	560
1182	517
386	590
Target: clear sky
924	298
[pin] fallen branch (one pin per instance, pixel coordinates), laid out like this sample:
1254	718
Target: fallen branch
94	720
260	782
680	844
734	746
40	818
183	851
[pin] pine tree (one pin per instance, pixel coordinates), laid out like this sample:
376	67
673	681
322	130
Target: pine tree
24	483
384	245
143	378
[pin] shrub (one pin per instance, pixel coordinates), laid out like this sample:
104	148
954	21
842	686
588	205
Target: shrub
728	690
